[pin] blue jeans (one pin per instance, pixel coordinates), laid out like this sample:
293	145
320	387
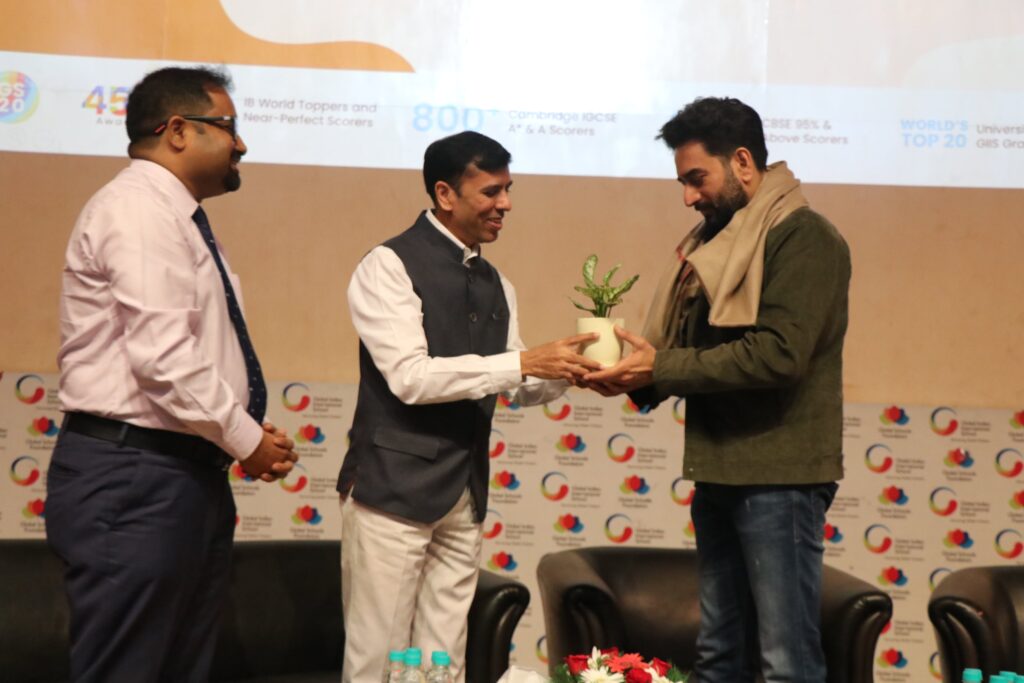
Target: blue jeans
760	552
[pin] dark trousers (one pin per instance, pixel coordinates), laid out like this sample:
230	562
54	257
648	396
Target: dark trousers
146	540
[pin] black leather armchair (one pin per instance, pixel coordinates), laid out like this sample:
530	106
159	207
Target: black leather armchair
645	600
281	622
978	615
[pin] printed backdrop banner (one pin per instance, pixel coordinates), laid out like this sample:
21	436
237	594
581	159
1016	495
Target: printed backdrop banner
928	490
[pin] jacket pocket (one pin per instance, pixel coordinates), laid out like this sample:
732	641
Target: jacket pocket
420	445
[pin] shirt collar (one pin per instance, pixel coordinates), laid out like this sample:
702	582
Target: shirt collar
181	199
467	253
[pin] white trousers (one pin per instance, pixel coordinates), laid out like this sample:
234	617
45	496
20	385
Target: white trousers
406	584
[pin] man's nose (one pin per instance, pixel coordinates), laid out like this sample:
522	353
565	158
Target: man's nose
690	195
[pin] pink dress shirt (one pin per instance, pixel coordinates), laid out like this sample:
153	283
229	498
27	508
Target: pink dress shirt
145	332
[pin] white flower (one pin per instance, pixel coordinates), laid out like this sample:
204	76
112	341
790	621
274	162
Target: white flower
655	676
596	659
601	675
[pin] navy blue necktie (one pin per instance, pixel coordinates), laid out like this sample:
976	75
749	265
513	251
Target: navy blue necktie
257	387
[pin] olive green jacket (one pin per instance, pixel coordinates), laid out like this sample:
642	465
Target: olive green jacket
764	404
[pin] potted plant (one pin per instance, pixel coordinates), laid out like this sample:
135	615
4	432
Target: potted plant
607	349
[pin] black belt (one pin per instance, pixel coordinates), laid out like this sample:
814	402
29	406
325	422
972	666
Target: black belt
185	446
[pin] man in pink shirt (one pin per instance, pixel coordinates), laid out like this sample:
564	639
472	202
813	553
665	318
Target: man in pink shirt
162	391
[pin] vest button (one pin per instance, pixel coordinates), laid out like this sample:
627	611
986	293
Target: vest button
472	317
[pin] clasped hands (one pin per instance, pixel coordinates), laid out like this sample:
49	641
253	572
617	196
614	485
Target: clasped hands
561	359
274	456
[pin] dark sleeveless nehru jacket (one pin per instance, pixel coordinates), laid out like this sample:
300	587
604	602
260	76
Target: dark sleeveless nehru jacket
415	461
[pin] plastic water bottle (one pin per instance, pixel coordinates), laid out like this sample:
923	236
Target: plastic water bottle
412	672
441	671
394	668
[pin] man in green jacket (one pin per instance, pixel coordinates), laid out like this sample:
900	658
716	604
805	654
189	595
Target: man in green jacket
748	325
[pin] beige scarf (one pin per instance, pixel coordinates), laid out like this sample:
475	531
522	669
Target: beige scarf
729	268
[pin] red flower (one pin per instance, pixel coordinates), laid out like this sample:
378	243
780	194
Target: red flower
637	676
660	666
576	664
624	663
610	652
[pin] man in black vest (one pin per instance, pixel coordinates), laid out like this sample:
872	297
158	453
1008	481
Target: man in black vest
439	339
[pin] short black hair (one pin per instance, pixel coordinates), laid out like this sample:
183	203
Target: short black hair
448	158
721	124
172	90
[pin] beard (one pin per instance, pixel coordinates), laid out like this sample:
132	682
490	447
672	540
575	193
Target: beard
232	181
719	211
232	178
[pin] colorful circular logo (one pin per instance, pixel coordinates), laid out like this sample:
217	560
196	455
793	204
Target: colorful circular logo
892	658
570	442
505	480
542	649
43	426
19	97
617	528
551	488
631	408
34	509
568	523
877	538
1008	544
503	561
943	421
678	495
497	444
892	576
492	524
833	534
634	485
1009	462
935	666
1017	420
307	515
29	389
937	575
236	473
505	403
959	457
679	411
296	479
942	501
894	415
878	458
25	470
893	495
958	538
309	434
624	449
557	414
295	397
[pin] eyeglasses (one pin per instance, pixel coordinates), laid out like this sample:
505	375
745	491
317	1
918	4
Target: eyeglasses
228	121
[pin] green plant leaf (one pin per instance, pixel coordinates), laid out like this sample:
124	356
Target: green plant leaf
588	270
624	287
608	275
583	308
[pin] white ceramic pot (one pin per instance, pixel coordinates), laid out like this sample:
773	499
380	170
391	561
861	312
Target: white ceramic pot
607	349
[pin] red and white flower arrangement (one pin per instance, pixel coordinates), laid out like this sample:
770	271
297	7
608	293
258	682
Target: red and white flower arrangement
609	666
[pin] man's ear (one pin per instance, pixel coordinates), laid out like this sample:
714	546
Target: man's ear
743	166
445	195
177	133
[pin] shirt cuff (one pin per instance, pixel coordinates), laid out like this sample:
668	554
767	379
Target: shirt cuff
506	371
241	441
